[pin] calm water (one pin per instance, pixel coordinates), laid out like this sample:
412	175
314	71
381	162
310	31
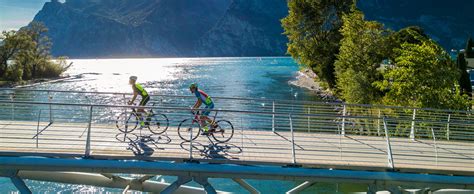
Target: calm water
229	77
225	77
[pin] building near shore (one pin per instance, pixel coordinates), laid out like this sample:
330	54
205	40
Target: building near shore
470	63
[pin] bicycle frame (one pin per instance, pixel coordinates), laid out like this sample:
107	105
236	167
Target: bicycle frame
197	117
136	112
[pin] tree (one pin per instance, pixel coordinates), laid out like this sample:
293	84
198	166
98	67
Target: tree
412	35
464	80
11	44
25	54
312	27
469	48
362	50
39	54
424	76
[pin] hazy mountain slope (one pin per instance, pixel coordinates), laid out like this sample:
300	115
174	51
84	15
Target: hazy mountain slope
250	28
122	28
448	22
173	28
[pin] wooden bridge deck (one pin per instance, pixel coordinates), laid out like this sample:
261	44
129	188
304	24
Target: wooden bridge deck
316	150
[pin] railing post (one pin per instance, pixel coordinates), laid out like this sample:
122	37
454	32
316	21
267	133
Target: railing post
50	98
309	121
293	153
242	135
273	117
412	131
37	129
447	127
378	123
389	147
12	97
343	129
191	143
88	141
435	146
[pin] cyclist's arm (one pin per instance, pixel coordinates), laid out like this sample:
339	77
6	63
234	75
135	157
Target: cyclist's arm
135	94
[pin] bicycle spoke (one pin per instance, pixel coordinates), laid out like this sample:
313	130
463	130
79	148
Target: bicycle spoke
187	127
126	122
224	131
158	124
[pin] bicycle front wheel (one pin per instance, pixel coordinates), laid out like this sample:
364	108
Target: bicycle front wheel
158	123
126	122
189	128
224	131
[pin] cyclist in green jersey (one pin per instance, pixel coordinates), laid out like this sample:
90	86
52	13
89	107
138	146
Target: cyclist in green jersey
139	90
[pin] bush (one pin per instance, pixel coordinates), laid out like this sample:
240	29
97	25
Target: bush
51	69
14	73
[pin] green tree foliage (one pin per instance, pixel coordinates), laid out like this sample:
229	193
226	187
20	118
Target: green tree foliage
412	35
346	51
469	48
362	50
424	76
39	55
464	81
25	55
11	44
312	27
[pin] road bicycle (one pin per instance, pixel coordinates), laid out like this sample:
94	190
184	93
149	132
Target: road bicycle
128	121
190	129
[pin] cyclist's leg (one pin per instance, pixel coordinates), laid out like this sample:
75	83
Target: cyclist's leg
143	103
206	113
141	111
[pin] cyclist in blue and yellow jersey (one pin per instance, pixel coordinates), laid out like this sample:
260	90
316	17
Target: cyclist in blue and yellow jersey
139	90
203	98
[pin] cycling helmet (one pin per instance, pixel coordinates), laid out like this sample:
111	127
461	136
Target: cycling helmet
193	85
134	78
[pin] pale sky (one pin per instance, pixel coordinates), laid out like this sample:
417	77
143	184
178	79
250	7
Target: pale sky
15	14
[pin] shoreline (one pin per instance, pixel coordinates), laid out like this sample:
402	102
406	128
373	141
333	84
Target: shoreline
33	82
306	78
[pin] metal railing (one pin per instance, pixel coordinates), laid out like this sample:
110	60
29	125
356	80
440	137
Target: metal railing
352	139
415	123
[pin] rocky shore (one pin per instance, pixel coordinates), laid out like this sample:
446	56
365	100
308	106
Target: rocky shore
307	79
35	82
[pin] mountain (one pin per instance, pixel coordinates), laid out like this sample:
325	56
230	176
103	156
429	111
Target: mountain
249	28
177	28
448	22
129	28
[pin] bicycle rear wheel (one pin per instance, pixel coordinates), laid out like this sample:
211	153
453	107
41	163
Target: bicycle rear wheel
224	131
188	128
158	123
127	122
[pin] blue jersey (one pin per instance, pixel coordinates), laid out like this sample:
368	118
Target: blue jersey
206	99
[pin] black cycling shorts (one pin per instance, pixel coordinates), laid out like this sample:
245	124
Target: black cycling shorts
144	100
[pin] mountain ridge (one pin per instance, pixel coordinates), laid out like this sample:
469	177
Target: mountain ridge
213	28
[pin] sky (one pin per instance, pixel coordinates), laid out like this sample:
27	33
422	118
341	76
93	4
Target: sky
15	14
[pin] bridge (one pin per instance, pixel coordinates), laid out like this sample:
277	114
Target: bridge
73	137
